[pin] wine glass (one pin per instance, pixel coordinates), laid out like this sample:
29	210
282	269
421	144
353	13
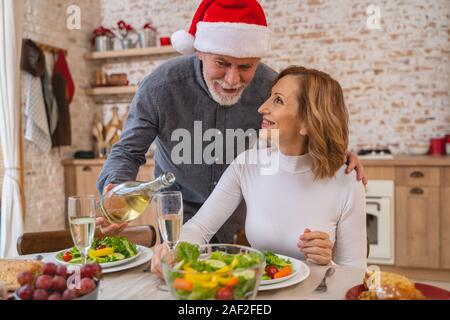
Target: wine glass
169	208
81	213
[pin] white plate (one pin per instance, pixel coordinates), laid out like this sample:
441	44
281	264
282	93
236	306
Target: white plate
145	256
104	265
273	281
302	273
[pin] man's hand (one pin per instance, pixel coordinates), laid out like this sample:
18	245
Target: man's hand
106	228
353	163
316	246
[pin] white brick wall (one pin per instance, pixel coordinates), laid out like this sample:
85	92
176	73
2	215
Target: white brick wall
45	21
394	79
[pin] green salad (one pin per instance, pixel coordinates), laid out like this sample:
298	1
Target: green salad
108	249
219	275
276	267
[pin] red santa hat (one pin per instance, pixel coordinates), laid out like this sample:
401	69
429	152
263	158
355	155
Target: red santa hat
236	28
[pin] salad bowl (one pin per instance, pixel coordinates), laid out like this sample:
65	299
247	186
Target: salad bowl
213	272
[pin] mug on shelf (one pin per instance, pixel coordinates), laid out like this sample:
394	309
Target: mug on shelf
165	41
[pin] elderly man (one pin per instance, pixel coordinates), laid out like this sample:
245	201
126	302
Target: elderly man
219	85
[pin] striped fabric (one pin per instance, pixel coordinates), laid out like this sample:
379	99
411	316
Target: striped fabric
36	123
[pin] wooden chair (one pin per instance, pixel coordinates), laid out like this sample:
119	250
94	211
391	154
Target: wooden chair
30	243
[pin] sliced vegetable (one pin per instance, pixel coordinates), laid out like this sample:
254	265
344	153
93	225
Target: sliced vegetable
283	272
101	252
183	284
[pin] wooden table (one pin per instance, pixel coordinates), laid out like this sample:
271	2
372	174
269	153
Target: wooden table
134	284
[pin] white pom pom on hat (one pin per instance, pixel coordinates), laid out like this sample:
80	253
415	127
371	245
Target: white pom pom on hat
183	42
236	28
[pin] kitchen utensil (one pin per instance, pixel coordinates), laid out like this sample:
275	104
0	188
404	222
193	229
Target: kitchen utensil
147	38
437	146
165	41
104	43
110	134
322	287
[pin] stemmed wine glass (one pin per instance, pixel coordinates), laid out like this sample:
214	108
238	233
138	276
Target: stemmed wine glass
81	213
169	209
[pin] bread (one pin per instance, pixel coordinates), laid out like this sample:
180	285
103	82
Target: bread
389	286
10	270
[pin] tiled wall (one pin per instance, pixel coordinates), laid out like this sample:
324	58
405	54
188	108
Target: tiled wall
396	80
45	21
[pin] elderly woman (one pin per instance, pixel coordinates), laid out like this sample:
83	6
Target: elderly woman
309	207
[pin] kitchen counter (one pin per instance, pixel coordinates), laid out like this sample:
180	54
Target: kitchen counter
404	160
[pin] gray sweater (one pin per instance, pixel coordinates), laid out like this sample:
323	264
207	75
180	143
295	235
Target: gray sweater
175	96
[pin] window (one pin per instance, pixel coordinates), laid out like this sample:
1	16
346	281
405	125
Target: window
1	173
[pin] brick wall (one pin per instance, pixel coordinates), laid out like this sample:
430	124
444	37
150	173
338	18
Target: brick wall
396	80
45	21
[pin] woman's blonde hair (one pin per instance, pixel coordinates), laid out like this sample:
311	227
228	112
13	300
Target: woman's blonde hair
322	108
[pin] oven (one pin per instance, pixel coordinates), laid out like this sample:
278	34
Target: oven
380	221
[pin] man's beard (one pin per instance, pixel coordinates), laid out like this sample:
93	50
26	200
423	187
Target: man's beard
225	99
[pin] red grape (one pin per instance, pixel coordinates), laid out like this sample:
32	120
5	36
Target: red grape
86	271
49	269
26	277
61	271
25	292
55	296
69	294
44	282
40	294
97	270
87	285
59	284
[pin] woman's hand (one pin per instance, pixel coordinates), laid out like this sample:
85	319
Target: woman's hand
316	246
353	163
159	251
106	228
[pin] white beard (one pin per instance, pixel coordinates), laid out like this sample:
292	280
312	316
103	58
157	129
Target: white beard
224	99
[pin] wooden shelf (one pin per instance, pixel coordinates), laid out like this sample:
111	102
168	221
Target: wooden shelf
102	91
138	52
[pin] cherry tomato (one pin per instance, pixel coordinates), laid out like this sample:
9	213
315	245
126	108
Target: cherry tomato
67	256
271	270
225	293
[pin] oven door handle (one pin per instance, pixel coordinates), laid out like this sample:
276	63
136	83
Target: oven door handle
376	204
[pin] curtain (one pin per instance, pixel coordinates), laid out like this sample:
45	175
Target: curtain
11	227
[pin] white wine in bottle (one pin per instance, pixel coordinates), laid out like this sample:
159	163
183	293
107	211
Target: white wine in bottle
127	201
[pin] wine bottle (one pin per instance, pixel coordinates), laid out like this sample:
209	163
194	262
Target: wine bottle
127	201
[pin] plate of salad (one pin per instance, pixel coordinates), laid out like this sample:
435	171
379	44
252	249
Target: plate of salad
300	272
278	268
108	252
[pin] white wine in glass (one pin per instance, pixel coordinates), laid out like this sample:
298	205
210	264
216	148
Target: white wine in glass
169	208
81	213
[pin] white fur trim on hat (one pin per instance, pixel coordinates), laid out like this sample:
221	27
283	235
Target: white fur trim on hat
183	42
239	40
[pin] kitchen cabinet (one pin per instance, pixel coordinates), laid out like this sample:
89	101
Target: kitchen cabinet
417	226
422	213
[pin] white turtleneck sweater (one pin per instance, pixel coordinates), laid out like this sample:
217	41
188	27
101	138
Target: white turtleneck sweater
283	199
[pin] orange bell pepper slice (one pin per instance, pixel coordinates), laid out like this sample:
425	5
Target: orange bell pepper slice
182	284
284	272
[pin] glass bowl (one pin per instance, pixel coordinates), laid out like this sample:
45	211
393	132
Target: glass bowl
236	279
